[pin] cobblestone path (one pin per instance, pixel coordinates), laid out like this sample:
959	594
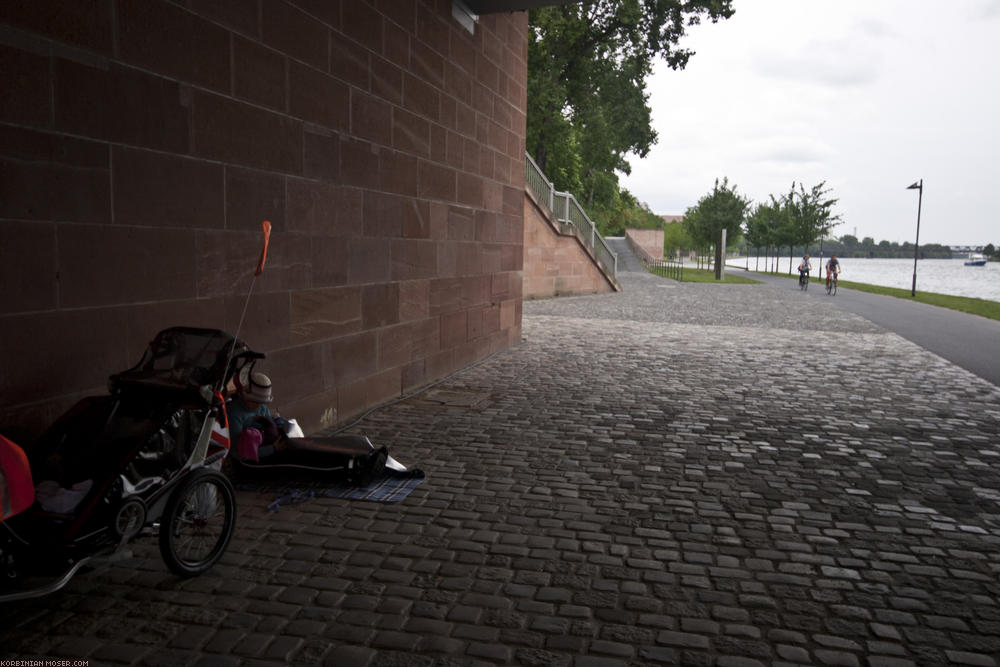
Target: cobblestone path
676	474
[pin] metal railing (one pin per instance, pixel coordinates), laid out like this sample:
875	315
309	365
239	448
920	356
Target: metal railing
667	268
567	209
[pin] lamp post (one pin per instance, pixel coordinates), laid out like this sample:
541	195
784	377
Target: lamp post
916	248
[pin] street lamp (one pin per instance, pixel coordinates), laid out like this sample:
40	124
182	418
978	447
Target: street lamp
916	248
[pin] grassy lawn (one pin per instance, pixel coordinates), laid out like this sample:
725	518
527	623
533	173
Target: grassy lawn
708	276
990	309
981	307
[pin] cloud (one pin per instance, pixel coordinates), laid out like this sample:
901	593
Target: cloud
828	63
783	150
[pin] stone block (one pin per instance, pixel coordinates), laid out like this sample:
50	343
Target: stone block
369	260
329	260
379	305
414	259
164	38
395	347
318	97
292	31
231	131
46	191
101	265
398	173
60	353
322	314
321	154
458	82
165	190
87	23
28	268
410	133
421	97
353	357
384	214
418	222
297	373
349	63
386	80
241	16
414	300
396	47
253	196
28	95
360	164
454	329
259	74
90	102
371	118
428	63
321	209
362	23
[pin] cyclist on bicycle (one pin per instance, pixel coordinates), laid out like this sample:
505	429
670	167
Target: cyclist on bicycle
832	268
804	268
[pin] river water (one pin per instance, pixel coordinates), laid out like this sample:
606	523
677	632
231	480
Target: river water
944	276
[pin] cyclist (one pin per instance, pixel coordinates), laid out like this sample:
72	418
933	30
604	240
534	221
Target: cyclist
832	268
804	268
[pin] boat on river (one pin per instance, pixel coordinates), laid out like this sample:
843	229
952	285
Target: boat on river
975	259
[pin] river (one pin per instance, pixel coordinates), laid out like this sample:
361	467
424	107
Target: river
944	276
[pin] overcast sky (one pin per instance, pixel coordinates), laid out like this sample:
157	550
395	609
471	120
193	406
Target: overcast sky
867	95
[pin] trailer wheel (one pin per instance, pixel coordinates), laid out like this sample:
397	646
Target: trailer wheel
198	523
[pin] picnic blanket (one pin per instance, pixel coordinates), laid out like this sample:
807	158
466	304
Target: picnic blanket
390	487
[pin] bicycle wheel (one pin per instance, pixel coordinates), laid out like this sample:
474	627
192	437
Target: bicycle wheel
198	523
833	288
829	286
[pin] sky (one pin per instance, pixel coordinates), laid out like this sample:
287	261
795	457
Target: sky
869	96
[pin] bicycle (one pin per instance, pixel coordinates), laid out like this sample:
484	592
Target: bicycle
803	281
831	284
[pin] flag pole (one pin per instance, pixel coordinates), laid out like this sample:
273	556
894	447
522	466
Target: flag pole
266	227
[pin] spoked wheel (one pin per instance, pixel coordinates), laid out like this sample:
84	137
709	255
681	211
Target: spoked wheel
833	288
198	523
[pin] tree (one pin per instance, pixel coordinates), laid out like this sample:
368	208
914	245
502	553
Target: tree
762	225
587	102
809	216
723	208
676	238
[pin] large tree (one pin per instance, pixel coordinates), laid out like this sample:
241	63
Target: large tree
722	208
587	101
810	216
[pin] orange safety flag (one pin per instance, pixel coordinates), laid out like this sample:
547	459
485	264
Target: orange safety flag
17	492
266	225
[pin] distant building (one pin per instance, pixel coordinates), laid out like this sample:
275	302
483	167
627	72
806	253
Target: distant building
672	218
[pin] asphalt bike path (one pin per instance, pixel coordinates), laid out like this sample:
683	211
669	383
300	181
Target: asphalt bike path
969	341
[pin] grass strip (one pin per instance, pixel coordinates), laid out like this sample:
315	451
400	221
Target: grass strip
965	304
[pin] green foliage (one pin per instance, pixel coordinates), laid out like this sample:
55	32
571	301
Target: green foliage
587	103
763	225
810	214
723	208
676	239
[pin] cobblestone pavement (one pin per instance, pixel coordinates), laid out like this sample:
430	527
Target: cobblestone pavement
676	474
